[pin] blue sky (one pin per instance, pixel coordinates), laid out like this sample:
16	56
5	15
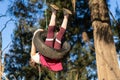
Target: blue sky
8	31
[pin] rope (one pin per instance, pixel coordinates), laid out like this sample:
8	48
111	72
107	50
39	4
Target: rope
46	16
73	4
46	29
39	72
46	19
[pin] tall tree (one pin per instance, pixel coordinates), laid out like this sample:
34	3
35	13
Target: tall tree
26	14
116	28
0	56
107	64
84	58
79	64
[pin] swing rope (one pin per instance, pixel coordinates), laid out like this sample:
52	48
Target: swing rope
46	19
39	68
46	16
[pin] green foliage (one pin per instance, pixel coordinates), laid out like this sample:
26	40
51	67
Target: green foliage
79	64
26	16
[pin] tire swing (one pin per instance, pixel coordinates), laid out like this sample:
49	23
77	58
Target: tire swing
47	51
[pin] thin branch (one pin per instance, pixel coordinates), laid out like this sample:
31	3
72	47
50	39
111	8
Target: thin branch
112	17
6	46
13	77
6	24
4	76
3	15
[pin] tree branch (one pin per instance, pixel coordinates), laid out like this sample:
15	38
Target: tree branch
3	15
6	24
6	46
4	76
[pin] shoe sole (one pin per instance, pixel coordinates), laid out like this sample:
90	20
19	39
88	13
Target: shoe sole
54	7
67	11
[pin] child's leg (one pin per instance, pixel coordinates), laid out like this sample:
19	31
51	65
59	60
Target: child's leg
57	44
50	34
59	36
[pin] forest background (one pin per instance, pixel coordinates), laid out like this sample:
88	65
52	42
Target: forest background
19	19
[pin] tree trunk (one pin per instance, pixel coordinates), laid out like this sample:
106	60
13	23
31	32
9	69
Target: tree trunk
107	64
0	56
0	70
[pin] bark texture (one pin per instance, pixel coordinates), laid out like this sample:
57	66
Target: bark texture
106	58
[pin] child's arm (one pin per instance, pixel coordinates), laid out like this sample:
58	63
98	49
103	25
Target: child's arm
35	56
33	49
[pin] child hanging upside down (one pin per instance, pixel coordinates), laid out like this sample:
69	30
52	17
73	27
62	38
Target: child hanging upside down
54	65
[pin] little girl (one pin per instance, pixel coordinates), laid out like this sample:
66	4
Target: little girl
54	65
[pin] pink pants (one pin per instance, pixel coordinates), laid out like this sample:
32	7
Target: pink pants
53	65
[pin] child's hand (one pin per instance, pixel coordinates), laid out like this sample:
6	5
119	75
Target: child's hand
35	58
32	63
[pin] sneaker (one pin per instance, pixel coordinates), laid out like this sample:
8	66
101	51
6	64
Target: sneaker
54	7
66	11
